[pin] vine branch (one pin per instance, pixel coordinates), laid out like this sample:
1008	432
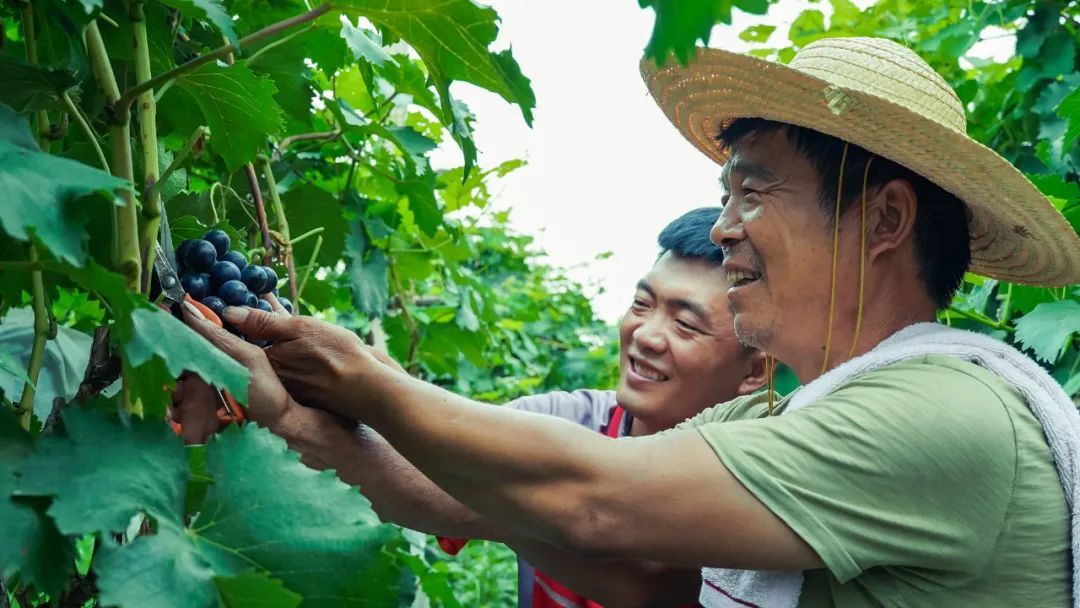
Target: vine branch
292	139
123	104
148	144
42	326
87	129
193	147
260	206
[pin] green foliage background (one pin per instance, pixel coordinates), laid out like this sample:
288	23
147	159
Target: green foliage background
329	122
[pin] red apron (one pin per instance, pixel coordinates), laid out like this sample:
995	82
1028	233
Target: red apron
549	593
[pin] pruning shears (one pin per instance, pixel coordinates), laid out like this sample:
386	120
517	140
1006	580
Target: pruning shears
172	295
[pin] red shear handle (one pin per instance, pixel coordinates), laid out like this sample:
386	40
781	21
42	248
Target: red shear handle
224	416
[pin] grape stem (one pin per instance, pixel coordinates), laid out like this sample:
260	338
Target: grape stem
282	223
310	266
42	325
193	147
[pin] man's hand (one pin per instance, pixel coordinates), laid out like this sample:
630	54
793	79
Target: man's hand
320	364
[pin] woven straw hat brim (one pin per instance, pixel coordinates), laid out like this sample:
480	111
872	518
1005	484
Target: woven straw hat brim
1016	233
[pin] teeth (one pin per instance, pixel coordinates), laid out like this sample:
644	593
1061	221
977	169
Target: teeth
735	277
648	373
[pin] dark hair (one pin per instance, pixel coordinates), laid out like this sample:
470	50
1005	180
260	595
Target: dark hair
688	236
941	234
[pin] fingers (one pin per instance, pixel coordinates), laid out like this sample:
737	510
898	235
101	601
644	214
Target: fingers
259	324
275	305
224	341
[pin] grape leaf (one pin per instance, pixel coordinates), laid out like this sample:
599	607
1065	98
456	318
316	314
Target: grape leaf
420	190
1046	328
101	473
368	272
255	590
27	87
30	545
363	46
1069	109
452	37
309	207
212	10
156	333
679	24
306	528
40	191
237	105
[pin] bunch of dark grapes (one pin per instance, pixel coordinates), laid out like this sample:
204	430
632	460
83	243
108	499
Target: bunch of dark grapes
218	277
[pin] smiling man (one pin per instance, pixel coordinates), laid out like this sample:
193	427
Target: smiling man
917	466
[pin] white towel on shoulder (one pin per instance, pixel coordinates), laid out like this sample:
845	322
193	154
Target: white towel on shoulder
726	588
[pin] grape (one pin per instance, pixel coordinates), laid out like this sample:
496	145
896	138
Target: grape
200	256
271	280
236	258
264	305
252	300
182	251
286	304
215	304
253	277
219	240
223	272
196	284
234	293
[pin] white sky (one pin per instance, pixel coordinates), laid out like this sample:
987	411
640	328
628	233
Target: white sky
606	170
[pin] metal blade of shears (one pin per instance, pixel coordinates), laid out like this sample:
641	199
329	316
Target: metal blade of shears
167	277
165	240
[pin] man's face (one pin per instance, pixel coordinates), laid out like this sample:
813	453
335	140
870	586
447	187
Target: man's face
778	246
678	353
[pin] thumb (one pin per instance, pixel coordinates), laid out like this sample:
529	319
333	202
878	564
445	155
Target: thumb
259	324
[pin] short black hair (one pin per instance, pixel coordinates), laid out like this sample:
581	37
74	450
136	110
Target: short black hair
688	236
941	235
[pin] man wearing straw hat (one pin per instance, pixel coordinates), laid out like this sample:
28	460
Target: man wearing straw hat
917	466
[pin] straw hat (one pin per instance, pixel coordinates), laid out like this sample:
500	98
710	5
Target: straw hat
883	97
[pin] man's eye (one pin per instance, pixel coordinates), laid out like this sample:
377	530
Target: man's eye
684	325
639	304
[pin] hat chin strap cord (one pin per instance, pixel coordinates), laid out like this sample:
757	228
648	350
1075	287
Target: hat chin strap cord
770	361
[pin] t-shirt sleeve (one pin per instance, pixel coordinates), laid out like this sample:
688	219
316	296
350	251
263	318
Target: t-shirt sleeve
589	408
909	467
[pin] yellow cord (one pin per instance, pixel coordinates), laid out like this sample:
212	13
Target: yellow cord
862	259
835	248
770	363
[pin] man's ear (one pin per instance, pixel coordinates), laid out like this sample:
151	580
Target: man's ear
890	217
755	377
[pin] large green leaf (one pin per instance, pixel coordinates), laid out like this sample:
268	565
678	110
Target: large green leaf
1070	111
255	590
306	528
101	474
40	191
680	24
1046	328
368	273
237	105
30	546
211	10
452	37
309	207
27	87
156	333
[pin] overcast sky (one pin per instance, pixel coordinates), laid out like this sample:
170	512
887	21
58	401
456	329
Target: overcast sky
606	169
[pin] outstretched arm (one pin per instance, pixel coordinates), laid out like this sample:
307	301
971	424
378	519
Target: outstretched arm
665	498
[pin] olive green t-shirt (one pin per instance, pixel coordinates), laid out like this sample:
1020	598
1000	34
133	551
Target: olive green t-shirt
927	482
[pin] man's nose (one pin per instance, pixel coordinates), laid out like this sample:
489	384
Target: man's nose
728	228
649	335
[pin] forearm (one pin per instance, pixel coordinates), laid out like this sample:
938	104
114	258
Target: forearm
398	492
527	472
